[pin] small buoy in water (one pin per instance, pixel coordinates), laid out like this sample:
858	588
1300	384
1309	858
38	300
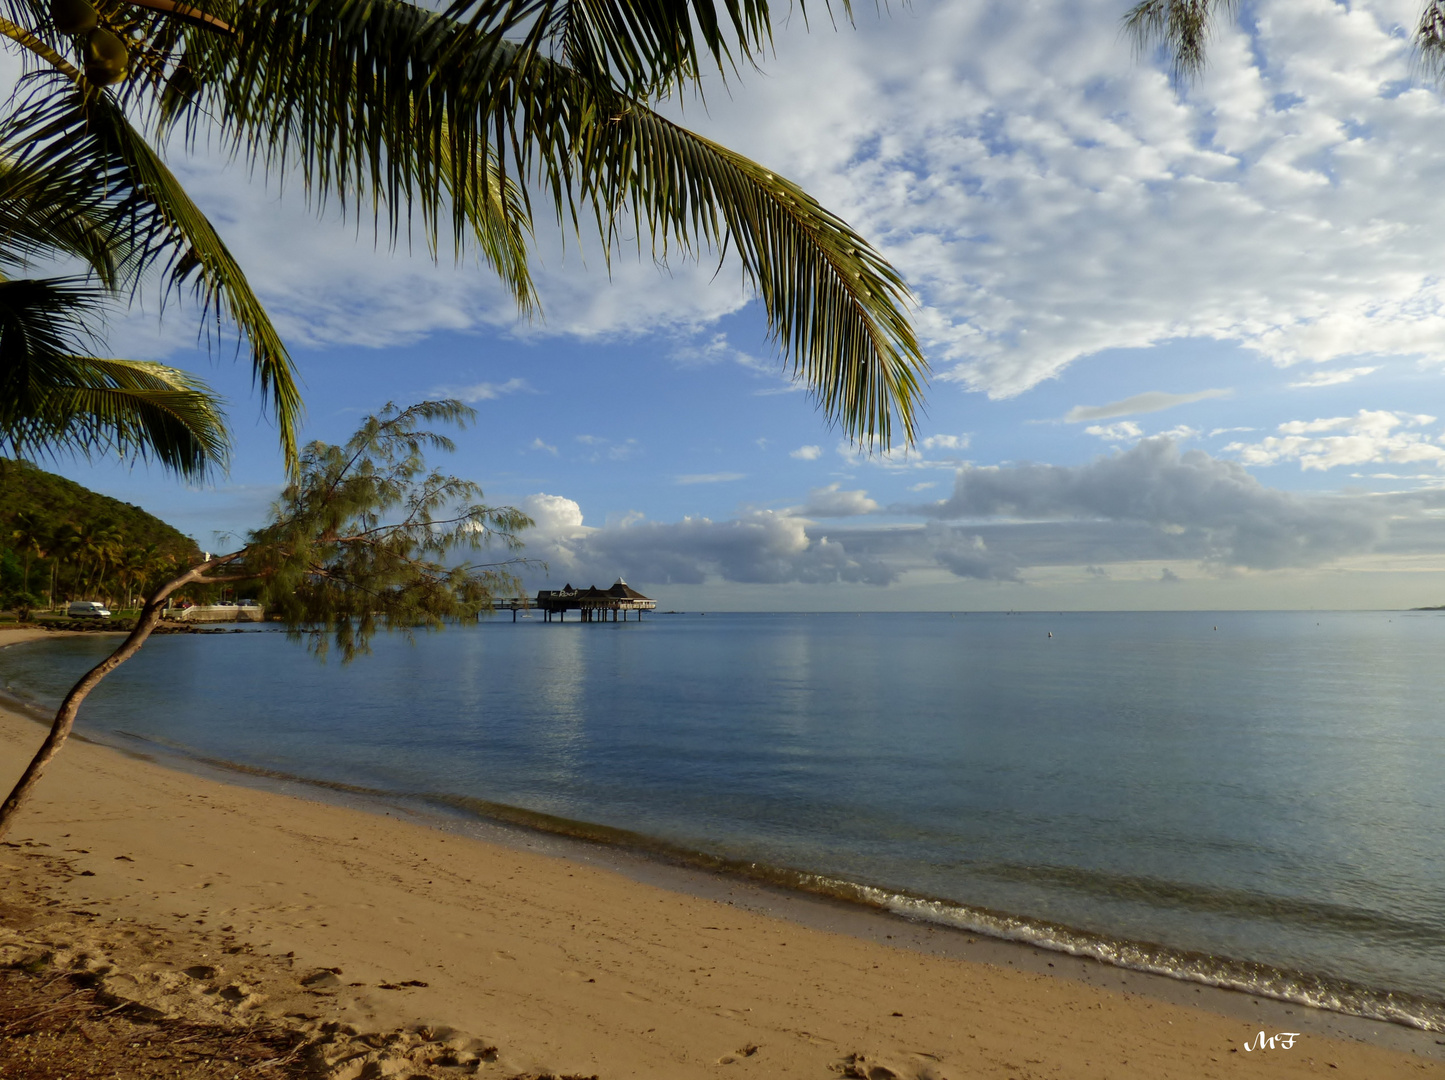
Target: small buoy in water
1051	633
1216	628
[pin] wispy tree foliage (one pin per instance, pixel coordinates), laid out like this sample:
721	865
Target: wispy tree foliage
363	538
459	125
1182	28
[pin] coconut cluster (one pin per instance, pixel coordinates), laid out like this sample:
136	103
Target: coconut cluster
107	60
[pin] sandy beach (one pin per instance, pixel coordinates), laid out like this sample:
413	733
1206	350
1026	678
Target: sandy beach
208	898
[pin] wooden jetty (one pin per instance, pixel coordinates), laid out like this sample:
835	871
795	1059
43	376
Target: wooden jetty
591	605
248	611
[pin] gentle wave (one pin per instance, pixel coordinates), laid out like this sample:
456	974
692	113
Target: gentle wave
1261	980
1217	900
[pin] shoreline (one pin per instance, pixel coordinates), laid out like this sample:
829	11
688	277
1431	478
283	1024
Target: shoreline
705	876
321	863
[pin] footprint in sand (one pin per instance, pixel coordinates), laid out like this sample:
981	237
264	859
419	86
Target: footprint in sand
746	1052
868	1067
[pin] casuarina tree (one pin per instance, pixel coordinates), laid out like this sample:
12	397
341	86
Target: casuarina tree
364	537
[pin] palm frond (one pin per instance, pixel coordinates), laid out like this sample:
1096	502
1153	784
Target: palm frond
414	104
43	213
83	137
56	398
834	305
640	48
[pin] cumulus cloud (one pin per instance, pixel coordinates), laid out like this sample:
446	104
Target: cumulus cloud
831	502
1123	431
806	453
1153	504
553	516
761	547
968	556
1368	436
1147	402
945	442
545	447
1187	503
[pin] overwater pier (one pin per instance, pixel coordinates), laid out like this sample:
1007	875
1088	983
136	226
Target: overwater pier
591	604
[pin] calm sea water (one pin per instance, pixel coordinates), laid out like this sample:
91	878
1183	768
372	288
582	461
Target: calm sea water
1250	799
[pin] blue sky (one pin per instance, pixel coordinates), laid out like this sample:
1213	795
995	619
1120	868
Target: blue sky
1187	346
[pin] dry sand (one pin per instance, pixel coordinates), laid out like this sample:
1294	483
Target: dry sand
195	896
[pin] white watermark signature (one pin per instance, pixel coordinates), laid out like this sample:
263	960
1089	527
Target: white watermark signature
1284	1040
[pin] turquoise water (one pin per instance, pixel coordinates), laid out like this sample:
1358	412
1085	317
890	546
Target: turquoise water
1258	805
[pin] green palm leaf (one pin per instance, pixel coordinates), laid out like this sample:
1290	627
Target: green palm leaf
81	137
54	397
418	110
41	215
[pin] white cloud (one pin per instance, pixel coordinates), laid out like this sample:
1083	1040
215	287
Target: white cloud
482	391
1188	503
606	450
538	444
717	349
806	453
899	458
1332	378
765	546
709	478
1369	436
1120	432
1049	197
554	516
1146	510
1181	433
945	442
831	502
1148	402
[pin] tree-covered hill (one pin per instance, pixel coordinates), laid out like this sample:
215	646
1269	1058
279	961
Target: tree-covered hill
60	541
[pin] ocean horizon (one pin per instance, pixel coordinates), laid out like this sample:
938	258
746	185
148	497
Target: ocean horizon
1247	799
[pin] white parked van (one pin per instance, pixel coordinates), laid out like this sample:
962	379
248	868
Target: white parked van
88	609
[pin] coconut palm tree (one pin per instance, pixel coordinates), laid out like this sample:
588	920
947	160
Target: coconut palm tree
31	535
458	124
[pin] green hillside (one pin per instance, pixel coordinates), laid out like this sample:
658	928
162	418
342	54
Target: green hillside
60	541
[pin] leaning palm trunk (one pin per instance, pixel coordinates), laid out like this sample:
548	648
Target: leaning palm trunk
329	564
64	721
